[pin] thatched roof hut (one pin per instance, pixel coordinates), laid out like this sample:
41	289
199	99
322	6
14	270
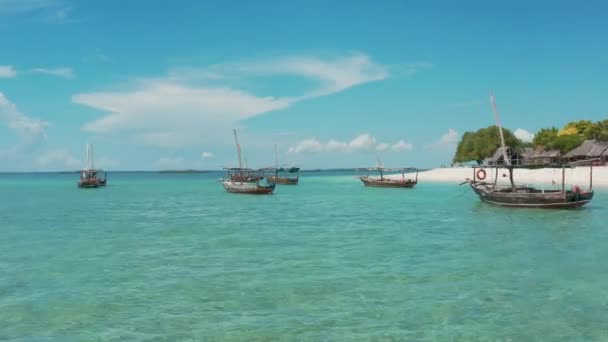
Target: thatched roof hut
498	157
589	149
540	156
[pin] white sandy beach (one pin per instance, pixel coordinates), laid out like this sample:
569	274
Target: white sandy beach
546	177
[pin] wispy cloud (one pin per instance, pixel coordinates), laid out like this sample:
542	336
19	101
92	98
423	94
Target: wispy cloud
524	135
183	108
207	155
446	141
20	6
58	159
7	71
63	16
59	72
31	130
401	145
382	147
412	68
362	142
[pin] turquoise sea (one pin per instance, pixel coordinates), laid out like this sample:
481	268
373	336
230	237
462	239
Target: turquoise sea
173	257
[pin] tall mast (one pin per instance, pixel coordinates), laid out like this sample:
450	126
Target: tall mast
276	156
379	165
89	165
238	149
502	137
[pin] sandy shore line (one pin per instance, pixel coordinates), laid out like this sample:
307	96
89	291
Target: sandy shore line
547	177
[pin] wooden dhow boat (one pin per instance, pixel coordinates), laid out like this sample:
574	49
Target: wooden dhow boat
382	182
283	180
527	196
252	188
246	181
91	177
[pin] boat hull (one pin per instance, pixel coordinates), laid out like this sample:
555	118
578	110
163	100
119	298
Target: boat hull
91	184
388	183
248	188
532	198
283	180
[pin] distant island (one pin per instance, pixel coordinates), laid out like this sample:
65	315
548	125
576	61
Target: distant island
183	171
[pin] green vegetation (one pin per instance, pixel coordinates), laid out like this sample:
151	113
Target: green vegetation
572	135
482	144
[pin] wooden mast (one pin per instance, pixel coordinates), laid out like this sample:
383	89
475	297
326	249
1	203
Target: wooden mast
505	157
89	165
379	165
238	150
276	160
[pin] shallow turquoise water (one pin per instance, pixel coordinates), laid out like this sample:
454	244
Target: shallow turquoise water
175	257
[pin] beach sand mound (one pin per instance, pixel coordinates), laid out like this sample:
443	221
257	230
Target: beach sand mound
551	177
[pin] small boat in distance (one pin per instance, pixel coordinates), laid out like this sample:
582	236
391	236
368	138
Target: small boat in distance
276	178
91	177
527	196
246	181
382	182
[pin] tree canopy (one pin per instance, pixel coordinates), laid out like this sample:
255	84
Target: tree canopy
483	143
571	135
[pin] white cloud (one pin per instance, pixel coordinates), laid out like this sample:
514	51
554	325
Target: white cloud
333	75
334	145
31	130
382	147
59	72
169	109
59	159
523	135
7	71
310	145
401	145
362	142
170	163
447	140
183	108
207	155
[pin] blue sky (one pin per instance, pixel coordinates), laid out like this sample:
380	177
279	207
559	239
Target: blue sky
157	84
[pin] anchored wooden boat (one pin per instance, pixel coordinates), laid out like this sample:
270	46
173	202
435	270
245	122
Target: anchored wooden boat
252	188
91	177
243	174
530	197
527	196
246	181
382	182
283	180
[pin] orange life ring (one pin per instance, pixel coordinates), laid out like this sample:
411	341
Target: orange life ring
481	174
